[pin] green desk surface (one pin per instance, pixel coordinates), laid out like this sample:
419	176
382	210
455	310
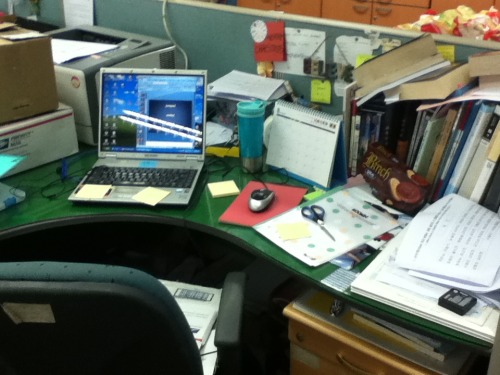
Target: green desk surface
46	206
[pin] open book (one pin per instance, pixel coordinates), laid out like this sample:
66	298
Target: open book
199	304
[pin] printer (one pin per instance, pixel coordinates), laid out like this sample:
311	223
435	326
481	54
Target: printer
77	80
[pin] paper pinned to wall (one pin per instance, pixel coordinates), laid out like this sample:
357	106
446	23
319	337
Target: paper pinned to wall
78	12
301	44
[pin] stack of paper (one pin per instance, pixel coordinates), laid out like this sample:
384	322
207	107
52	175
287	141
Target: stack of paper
239	86
384	281
454	242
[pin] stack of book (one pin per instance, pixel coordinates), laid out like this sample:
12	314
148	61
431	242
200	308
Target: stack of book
484	65
456	147
410	61
484	185
462	140
376	115
430	115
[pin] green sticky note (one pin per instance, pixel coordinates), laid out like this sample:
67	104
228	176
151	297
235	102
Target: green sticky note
321	91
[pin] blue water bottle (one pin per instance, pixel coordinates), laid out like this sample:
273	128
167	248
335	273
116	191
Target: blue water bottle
250	133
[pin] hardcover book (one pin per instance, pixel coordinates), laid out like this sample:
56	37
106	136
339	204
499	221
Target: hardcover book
484	63
455	146
493	154
480	156
428	145
408	58
469	147
492	194
443	139
436	85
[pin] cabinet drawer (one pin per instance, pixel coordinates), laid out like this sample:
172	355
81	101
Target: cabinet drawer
257	4
310	8
393	15
321	346
409	3
359	11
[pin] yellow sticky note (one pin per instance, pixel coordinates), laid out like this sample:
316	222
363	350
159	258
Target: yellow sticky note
293	231
447	51
360	59
321	91
223	189
93	191
151	196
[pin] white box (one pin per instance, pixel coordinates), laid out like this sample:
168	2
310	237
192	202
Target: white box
42	139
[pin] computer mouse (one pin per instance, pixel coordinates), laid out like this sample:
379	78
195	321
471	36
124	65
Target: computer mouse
260	199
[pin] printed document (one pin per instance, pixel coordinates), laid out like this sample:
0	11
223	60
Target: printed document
384	282
454	240
200	306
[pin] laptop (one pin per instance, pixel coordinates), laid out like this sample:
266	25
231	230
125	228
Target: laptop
153	120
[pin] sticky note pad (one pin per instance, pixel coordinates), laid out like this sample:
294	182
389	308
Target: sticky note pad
151	196
293	231
223	189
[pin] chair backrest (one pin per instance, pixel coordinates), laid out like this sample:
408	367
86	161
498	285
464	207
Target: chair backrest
74	318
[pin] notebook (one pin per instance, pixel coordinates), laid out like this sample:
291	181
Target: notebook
153	119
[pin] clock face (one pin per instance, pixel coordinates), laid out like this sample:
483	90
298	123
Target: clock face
258	29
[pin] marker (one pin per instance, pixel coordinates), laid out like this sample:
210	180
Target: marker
383	210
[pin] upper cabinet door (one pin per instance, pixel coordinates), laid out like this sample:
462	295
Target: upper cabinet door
394	15
304	7
478	5
348	10
258	4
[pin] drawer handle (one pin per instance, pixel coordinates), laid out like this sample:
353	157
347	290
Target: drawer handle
361	1
300	337
360	8
350	366
384	2
383	11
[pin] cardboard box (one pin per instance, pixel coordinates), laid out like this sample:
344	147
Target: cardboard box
27	76
41	139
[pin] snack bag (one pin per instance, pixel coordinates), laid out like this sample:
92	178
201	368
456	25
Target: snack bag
392	181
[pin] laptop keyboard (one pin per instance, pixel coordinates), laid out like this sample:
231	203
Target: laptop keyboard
157	177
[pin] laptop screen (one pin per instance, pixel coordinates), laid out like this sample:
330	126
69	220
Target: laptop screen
152	111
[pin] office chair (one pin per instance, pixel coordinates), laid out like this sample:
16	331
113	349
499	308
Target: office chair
79	318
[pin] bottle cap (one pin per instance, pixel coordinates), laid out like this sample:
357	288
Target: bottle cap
251	108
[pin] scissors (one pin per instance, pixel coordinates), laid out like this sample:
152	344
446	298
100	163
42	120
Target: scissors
317	214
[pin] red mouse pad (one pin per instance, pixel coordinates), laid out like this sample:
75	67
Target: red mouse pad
287	197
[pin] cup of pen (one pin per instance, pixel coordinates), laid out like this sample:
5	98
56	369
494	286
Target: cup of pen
251	134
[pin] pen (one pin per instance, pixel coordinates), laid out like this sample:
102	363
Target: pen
382	209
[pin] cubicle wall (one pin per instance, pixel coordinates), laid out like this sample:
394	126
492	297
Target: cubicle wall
217	37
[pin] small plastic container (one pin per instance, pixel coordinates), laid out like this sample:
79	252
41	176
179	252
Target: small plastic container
251	134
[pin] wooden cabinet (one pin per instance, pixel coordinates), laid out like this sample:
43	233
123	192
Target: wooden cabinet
318	348
391	14
321	344
478	5
307	8
377	12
